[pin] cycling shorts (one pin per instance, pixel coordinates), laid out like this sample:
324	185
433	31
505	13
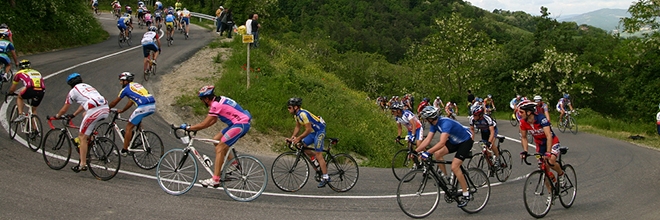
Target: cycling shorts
149	47
4	59
169	24
159	19
315	140
554	150
186	20
121	26
419	134
96	4
485	134
462	150
92	116
232	133
34	95
141	112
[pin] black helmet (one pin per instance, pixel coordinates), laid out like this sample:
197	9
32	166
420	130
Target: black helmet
126	76
24	64
295	101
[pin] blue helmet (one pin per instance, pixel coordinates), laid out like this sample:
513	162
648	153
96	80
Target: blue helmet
567	96
206	91
73	79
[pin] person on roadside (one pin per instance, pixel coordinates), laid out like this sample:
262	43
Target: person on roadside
6	48
255	30
228	22
218	17
313	134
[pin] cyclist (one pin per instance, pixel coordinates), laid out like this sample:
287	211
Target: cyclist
513	103
5	29
314	134
232	114
561	106
176	20
95	4
405	117
147	19
158	17
116	7
5	48
123	24
185	18
451	109
129	11
422	104
145	102
169	23
489	104
541	106
437	103
178	5
34	88
454	137
547	143
158	5
657	119
140	13
95	107
487	126
150	42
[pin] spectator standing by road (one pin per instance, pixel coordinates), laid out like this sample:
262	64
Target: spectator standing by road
228	23
248	25
255	29
218	16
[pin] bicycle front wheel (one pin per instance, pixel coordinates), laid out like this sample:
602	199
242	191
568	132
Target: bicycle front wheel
513	120
121	40
103	158
479	187
105	130
13	126
290	172
56	149
568	191
402	164
477	161
504	170
147	150
420	196
34	135
343	171
537	194
247	180
176	172
562	126
572	125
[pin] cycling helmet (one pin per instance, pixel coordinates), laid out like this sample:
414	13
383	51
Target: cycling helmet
518	96
537	98
170	8
140	3
528	106
3	26
567	96
206	91
490	96
73	79
437	97
24	64
4	35
425	99
396	106
429	112
294	101
128	8
153	28
479	99
169	12
126	76
477	110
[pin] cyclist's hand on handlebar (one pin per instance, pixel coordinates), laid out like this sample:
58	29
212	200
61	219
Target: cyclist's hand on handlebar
523	154
425	155
398	138
184	126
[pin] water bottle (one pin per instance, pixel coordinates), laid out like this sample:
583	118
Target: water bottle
316	163
208	161
76	142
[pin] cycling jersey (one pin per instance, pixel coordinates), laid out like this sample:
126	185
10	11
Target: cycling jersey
30	78
149	37
408	119
137	93
169	18
450	107
147	17
5	48
514	102
541	108
437	103
563	103
87	96
536	129
305	117
457	132
482	124
116	5
228	111
422	105
3	30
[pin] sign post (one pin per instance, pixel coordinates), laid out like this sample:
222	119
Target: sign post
248	39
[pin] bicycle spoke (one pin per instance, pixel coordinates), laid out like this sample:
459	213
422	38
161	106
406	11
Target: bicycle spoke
176	172
289	173
537	198
419	196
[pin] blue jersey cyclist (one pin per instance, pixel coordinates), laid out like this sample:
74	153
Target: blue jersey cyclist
312	135
547	143
123	23
454	137
139	96
405	117
487	126
169	23
6	47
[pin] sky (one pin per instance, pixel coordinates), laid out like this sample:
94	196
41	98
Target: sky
555	7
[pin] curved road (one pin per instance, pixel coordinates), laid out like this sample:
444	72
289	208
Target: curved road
615	179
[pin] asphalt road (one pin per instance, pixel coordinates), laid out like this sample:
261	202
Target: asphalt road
616	180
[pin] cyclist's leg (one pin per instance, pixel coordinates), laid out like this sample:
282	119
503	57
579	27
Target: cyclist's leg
145	52
439	155
553	159
315	140
92	116
462	151
19	100
227	138
187	20
135	119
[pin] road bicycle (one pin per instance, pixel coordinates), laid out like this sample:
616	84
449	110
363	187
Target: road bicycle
485	160
419	191
117	13
96	10
9	76
542	188
513	120
151	68
125	39
103	158
569	122
405	160
290	169
170	40
243	178
30	127
183	29
145	147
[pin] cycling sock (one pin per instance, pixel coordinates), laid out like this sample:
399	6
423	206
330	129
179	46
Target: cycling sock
466	194
325	176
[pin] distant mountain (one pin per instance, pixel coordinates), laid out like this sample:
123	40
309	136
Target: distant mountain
606	19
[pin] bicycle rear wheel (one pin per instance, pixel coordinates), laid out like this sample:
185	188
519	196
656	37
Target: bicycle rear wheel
402	164
56	149
343	171
246	181
147	150
289	172
103	158
176	172
13	126
513	120
568	192
562	126
420	196
35	135
129	38
572	125
121	40
504	171
479	187
537	195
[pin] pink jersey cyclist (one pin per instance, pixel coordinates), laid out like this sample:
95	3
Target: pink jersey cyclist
232	114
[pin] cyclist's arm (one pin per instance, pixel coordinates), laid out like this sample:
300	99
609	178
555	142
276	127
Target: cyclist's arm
571	106
425	142
208	121
128	105
398	129
548	137
472	130
295	130
523	139
63	110
158	43
491	138
443	140
114	102
308	130
79	110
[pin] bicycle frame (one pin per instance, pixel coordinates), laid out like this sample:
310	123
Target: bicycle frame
189	139
137	131
300	153
545	166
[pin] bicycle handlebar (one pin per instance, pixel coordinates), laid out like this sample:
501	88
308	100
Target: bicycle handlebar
7	95
66	121
538	156
188	133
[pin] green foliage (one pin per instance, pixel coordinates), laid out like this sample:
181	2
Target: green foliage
43	25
